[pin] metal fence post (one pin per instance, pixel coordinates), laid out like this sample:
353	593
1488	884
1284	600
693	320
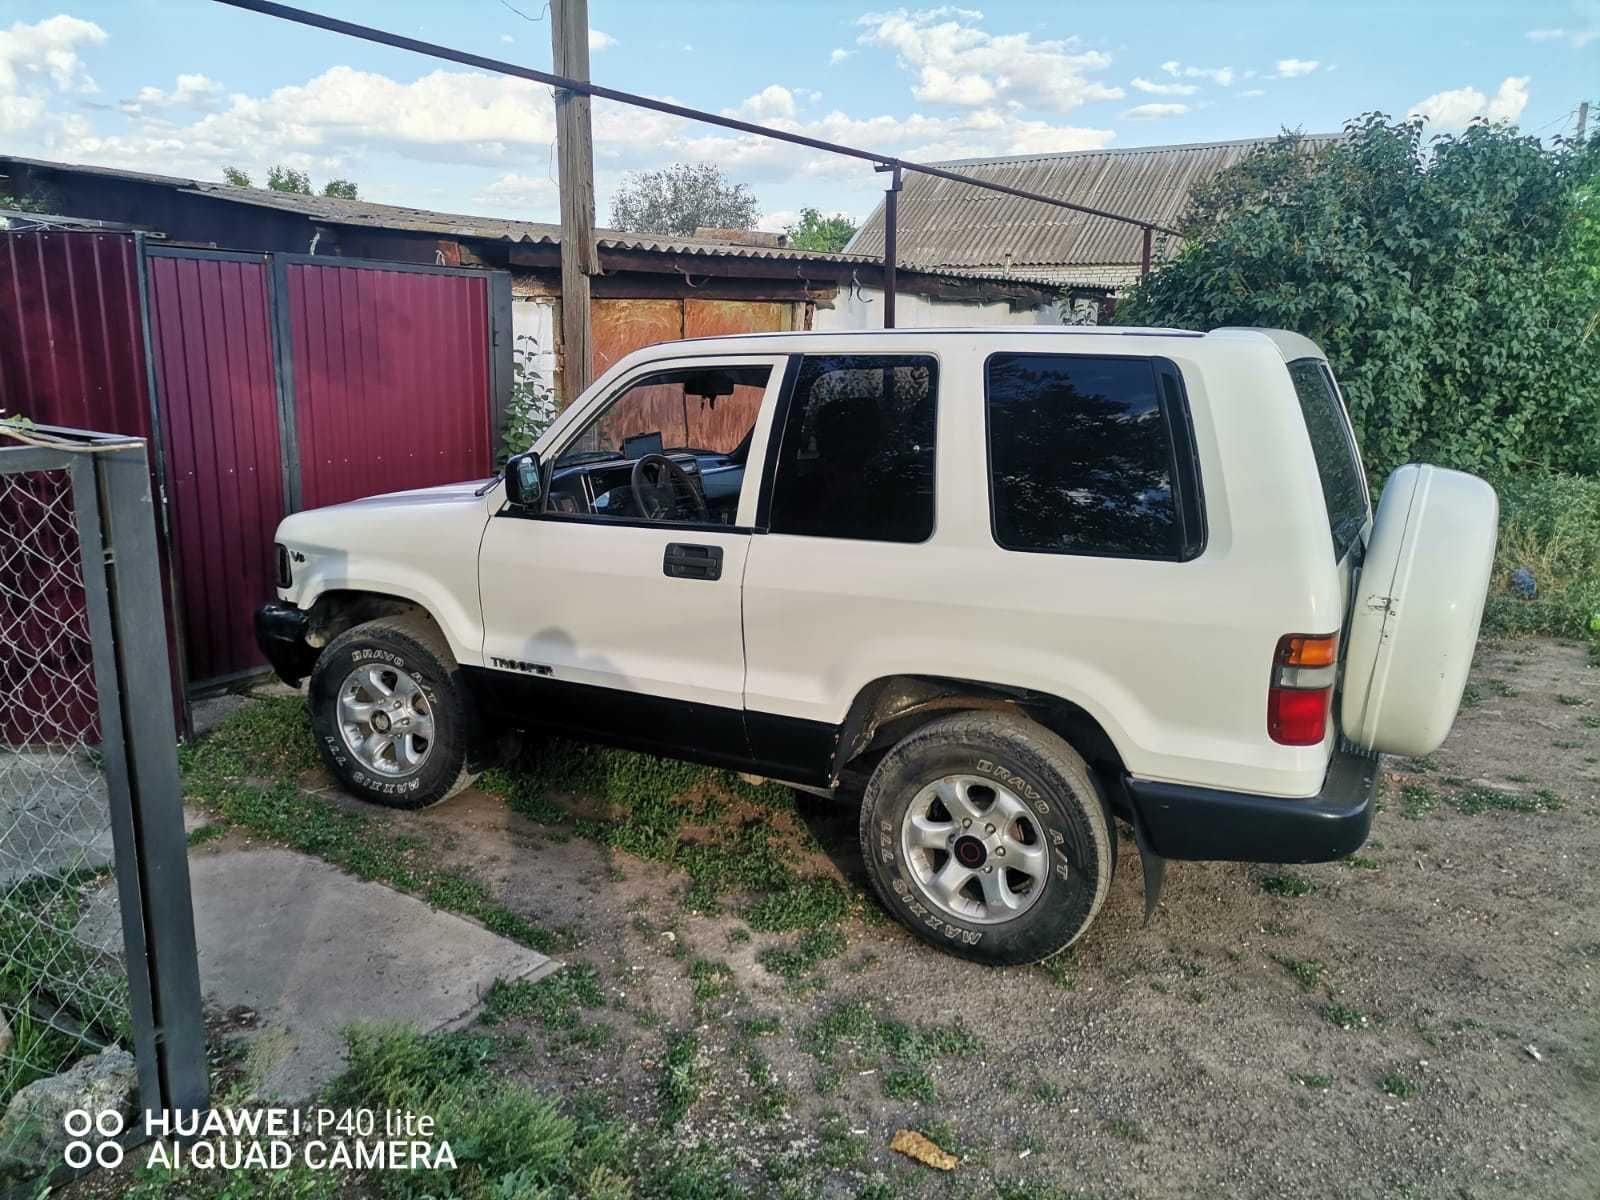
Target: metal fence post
154	791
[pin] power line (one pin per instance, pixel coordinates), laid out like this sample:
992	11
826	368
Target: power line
887	162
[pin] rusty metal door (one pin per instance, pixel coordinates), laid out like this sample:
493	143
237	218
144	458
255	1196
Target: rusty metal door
391	377
213	362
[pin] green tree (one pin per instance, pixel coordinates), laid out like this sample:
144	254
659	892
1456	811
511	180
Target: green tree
287	179
813	231
1450	282
235	177
344	189
680	199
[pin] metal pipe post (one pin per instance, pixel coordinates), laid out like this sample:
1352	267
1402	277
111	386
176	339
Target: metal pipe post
891	217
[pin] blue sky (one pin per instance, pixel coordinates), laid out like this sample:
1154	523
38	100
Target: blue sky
186	86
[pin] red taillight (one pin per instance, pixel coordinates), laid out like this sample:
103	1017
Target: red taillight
1303	672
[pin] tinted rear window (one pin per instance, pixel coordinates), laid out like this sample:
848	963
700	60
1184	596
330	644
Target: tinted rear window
1339	469
1081	456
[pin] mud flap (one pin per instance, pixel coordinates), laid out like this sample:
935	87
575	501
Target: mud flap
1155	870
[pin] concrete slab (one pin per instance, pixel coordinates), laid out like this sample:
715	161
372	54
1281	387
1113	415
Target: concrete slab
312	950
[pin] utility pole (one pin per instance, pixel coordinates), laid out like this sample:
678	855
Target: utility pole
569	46
1583	119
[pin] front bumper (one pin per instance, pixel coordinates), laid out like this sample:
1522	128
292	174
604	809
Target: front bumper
281	634
1196	823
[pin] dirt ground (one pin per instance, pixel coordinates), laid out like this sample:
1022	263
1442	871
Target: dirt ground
1424	1021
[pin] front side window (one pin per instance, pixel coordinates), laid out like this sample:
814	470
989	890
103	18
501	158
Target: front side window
1082	456
856	459
670	446
1333	447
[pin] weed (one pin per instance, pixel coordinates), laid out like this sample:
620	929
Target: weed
1127	1130
1501	688
202	834
1307	972
712	980
1317	1083
679	1084
1287	883
554	1000
1400	1087
1049	1093
909	1085
1417	801
1344	1017
1519	778
1058	969
1573	701
760	1027
800	959
1424	764
1471	697
772	1099
1590	721
1191	970
1360	862
838	1146
851	1030
803	904
1475	800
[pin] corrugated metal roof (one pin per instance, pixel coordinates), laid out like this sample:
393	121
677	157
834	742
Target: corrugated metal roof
951	226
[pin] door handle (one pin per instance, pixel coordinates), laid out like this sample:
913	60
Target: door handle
683	561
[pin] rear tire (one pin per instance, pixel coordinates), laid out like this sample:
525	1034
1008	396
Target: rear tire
391	713
985	834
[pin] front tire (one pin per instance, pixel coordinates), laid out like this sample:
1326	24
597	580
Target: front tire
985	834
391	713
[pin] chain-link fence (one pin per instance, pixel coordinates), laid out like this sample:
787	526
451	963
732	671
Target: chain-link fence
90	822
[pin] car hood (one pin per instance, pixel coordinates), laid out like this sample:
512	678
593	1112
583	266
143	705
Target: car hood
337	524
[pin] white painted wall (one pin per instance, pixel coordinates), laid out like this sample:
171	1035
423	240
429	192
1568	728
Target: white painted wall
862	308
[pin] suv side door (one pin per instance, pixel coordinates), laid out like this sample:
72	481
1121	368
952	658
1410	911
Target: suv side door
604	621
843	518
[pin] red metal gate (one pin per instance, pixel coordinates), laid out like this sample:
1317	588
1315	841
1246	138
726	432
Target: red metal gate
391	375
211	342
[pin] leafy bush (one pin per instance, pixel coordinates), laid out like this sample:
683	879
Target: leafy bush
1452	285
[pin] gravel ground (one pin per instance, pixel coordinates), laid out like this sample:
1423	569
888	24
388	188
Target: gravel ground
1420	1020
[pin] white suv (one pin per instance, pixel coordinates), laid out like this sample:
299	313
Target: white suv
1004	586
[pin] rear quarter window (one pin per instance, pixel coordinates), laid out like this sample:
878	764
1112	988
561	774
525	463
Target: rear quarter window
1091	455
1333	445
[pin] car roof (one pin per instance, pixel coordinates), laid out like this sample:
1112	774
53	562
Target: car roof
1290	345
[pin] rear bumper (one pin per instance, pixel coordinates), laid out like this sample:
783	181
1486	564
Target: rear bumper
1184	822
281	634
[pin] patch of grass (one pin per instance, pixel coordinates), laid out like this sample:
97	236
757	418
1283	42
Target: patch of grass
679	1083
244	775
1590	721
771	1097
1343	1016
1287	883
202	834
1401	1087
913	1085
1475	800
852	1032
1049	1093
1058	969
553	1001
1471	696
1307	972
1317	1083
799	960
838	1147
1360	862
1126	1129
712	980
802	904
761	1027
1424	764
1417	801
1573	701
1501	688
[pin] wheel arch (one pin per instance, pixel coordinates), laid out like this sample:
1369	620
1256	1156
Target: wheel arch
340	609
890	708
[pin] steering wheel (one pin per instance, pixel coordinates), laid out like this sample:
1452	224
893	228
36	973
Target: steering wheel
656	498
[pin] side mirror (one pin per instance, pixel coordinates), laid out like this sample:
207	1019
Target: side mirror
523	479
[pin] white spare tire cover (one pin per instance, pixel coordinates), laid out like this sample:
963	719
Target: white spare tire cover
1418	602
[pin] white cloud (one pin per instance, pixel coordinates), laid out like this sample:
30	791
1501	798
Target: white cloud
1251	94
507	39
1154	112
1456	109
838	55
958	63
520	192
777	222
49	48
1293	68
772	102
599	40
1576	38
1221	76
1171	66
191	91
1164	89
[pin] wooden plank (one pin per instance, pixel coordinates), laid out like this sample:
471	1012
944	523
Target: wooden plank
569	43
